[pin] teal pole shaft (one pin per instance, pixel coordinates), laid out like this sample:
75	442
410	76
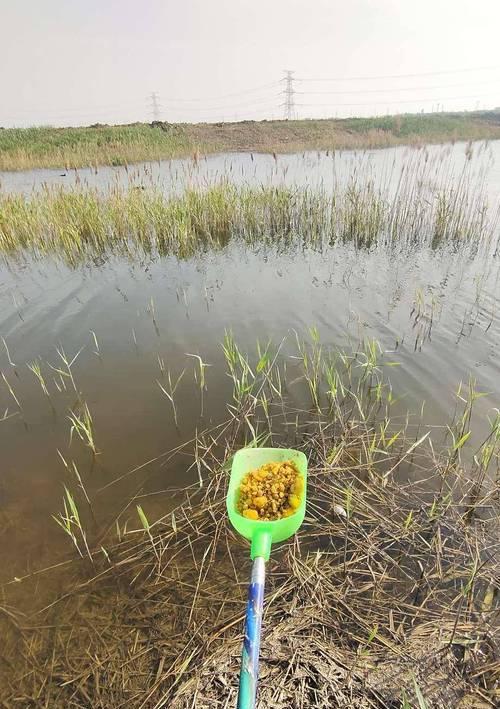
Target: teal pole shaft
249	673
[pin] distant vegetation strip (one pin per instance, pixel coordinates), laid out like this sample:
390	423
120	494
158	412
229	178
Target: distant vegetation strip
26	148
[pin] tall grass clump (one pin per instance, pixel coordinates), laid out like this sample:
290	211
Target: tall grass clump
27	148
406	211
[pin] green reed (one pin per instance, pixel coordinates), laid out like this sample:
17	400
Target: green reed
25	148
82	425
70	522
82	223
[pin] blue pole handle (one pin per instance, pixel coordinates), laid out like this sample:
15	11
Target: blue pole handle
249	673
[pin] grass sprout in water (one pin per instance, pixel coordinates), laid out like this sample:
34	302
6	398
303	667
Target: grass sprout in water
37	371
70	522
172	388
199	376
83	426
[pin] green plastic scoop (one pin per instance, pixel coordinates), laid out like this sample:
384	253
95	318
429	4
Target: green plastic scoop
262	535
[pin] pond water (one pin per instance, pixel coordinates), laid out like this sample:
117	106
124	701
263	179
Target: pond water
433	312
439	164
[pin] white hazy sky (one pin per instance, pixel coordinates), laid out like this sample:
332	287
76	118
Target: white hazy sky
74	62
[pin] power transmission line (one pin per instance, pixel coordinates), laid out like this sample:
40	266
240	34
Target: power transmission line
400	76
272	84
169	104
269	101
262	101
398	101
289	104
396	89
